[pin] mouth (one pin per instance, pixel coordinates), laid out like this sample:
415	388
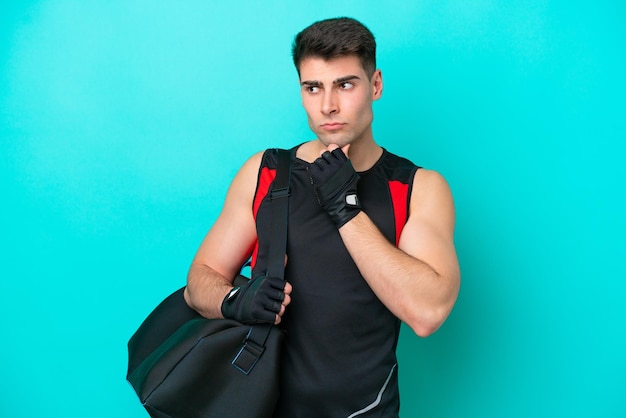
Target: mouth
332	126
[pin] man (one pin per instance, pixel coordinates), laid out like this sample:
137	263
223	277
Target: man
370	242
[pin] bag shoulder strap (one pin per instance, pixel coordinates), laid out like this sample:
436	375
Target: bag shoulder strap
254	344
279	196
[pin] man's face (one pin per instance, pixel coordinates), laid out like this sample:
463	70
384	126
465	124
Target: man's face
337	96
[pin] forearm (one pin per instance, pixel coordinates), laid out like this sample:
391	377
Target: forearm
206	289
409	287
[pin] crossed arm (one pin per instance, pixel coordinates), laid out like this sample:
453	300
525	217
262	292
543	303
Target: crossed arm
419	280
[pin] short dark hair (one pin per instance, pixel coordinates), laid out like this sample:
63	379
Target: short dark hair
337	37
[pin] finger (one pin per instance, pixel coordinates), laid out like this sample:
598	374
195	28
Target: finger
276	283
325	159
277	295
332	147
266	316
273	306
345	149
340	154
319	164
288	289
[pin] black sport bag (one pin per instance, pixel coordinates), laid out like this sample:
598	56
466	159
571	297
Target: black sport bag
183	365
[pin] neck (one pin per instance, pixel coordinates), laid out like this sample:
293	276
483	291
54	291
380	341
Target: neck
364	155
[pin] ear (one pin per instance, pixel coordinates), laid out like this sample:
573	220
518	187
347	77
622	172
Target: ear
377	85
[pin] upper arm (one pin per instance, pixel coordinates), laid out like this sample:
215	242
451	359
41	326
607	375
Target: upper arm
429	231
230	240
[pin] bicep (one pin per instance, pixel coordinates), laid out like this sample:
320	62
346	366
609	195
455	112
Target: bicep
429	232
229	242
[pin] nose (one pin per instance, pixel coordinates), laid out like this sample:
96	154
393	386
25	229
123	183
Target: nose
330	104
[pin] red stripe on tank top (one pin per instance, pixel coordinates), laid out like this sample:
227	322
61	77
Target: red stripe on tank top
266	178
399	193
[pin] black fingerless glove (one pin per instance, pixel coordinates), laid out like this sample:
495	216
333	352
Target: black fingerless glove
335	184
257	301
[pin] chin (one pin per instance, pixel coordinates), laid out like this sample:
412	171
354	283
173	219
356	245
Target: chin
340	142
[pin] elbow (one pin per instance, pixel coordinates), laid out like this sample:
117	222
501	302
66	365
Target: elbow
187	294
424	331
190	294
187	298
424	328
426	323
428	316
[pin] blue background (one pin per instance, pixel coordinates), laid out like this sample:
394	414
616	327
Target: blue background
123	122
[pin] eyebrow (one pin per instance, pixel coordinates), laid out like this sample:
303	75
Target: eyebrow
316	83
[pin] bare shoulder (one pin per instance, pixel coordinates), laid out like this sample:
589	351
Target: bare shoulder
244	183
431	200
251	165
430	187
426	181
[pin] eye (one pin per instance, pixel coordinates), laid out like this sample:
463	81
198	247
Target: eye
346	85
312	89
